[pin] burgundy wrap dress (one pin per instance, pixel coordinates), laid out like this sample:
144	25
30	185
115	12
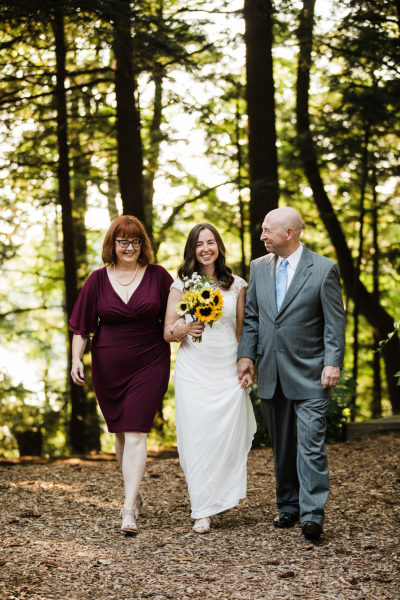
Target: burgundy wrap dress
130	359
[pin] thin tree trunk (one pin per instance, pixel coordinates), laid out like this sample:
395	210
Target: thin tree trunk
111	194
154	150
397	5
376	406
356	310
369	307
263	161
243	268
80	177
129	143
77	418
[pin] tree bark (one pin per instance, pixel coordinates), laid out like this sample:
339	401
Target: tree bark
263	161
376	407
154	149
368	305
77	394
239	159
364	167
80	177
129	143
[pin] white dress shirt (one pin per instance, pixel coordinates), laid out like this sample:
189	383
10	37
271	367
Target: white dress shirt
293	261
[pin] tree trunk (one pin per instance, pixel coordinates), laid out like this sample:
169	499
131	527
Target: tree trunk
376	407
243	268
111	194
64	192
368	305
77	394
364	167
80	177
129	143
263	161
153	153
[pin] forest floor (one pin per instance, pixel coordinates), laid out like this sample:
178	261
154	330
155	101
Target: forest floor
61	540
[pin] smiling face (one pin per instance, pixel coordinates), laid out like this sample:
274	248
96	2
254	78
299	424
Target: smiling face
126	257
275	236
206	249
281	231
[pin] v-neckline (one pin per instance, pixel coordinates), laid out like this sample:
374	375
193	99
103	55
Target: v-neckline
134	291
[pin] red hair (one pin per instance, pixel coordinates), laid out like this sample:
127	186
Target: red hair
126	226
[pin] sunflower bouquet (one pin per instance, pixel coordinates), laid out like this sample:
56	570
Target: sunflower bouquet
200	301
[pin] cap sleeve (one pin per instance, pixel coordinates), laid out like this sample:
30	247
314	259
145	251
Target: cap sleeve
84	316
238	284
179	285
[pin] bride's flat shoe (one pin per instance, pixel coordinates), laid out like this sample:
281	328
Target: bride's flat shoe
202	525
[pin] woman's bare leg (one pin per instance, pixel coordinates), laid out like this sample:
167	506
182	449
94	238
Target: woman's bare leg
133	464
119	447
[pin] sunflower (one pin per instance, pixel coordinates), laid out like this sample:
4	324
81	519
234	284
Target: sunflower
205	314
205	296
191	298
182	308
218	299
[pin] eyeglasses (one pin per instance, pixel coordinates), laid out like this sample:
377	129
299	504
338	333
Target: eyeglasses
136	243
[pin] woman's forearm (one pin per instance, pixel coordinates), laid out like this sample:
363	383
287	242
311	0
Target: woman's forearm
78	346
175	331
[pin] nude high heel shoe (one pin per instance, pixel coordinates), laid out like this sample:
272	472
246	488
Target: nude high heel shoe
128	522
138	508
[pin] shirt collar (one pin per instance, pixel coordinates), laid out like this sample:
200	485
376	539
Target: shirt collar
293	259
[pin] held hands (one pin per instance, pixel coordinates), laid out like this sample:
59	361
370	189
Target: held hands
330	376
77	373
245	368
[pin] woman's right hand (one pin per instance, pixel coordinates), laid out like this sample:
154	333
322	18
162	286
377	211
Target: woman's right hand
195	328
77	372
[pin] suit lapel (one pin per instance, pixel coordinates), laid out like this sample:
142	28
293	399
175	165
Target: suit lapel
268	279
302	273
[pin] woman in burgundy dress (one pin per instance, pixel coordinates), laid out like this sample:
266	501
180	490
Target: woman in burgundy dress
123	304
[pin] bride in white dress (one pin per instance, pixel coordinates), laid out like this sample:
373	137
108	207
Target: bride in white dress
215	422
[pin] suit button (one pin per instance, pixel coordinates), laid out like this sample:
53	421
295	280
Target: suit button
277	325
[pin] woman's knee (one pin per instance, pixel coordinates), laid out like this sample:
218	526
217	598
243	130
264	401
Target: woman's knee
134	438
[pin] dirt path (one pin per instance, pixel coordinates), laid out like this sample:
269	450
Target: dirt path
61	540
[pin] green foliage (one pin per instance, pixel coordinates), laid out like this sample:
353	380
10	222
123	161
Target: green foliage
261	437
340	408
338	413
25	413
196	54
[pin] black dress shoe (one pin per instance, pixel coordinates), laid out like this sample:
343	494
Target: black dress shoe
285	520
311	530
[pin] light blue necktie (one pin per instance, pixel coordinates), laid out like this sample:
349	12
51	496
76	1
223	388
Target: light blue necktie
281	283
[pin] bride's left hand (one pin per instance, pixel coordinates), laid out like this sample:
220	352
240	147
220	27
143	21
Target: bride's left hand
246	381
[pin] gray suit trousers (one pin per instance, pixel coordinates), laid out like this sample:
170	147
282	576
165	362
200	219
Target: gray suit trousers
297	430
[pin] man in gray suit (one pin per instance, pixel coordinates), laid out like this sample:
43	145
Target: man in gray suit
294	327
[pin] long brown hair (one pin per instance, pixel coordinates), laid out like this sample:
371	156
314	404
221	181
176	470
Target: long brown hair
127	227
190	264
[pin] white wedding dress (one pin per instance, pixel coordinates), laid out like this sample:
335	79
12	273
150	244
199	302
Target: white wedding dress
215	422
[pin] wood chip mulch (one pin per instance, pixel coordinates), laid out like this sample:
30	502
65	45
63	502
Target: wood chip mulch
61	539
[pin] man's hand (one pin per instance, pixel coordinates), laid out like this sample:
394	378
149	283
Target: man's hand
245	369
330	376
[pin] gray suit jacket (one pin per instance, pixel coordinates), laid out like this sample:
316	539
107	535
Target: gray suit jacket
304	336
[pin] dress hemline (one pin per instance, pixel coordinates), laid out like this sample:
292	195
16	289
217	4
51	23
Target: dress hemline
212	511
